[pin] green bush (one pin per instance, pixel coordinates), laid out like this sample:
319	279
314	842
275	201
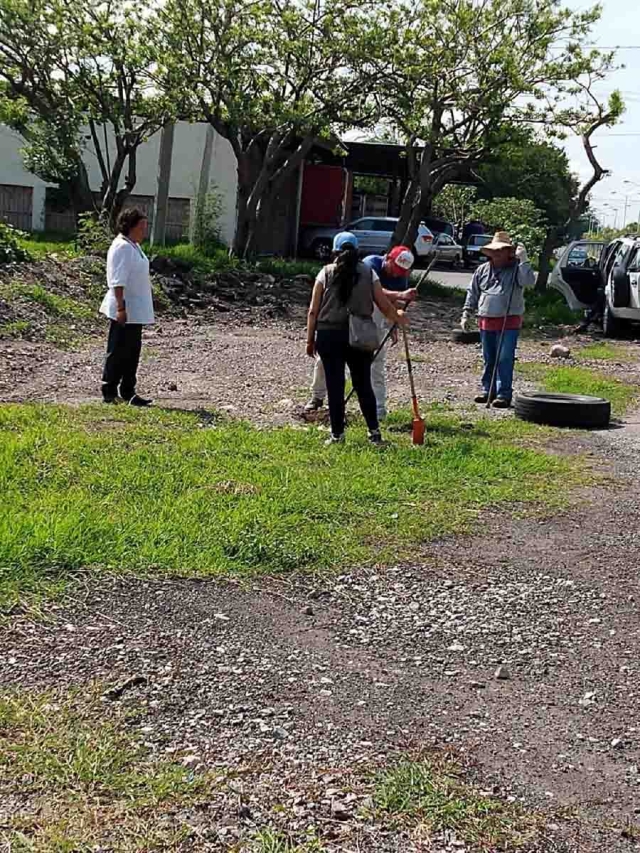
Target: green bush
94	234
10	249
205	234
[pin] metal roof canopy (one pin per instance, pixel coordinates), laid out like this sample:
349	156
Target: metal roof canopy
382	159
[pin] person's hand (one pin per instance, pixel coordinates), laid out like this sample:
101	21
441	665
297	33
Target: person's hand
121	316
402	320
465	321
409	296
311	349
521	254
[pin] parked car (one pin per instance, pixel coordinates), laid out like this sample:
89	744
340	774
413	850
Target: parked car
602	276
447	250
471	250
374	236
439	226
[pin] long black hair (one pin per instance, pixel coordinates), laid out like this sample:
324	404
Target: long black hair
346	272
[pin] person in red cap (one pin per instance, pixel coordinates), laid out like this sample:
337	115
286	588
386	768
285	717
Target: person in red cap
394	271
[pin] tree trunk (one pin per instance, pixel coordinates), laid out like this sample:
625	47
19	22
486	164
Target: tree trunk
552	240
79	192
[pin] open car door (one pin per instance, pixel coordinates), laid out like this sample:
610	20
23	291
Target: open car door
577	274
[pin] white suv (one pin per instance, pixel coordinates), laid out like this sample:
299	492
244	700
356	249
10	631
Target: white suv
603	279
374	235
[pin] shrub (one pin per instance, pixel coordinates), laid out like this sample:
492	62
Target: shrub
205	233
10	249
94	234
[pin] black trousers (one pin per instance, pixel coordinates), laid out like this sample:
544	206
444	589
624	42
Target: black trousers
335	353
121	364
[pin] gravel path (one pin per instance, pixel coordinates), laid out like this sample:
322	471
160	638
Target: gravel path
519	646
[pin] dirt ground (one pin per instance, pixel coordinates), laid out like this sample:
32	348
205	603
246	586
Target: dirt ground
310	678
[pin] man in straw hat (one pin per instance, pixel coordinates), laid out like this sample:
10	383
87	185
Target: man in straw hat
497	293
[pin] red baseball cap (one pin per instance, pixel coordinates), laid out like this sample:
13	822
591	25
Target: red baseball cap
400	260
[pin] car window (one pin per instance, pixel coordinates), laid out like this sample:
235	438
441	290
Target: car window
361	225
383	225
586	255
634	261
445	240
480	240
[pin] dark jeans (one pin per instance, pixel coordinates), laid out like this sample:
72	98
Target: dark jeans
335	353
121	364
504	378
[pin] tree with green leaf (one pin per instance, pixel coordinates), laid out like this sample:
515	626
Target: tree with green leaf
77	78
451	74
524	222
272	77
454	202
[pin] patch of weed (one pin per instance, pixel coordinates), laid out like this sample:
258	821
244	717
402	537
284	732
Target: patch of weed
83	782
271	841
39	245
17	329
149	492
581	380
432	795
548	309
602	351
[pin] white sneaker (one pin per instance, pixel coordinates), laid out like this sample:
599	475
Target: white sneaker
334	439
313	405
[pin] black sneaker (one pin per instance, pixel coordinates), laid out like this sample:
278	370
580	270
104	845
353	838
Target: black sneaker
501	403
139	401
481	398
376	438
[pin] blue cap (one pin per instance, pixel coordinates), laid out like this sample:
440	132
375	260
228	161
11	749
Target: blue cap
344	239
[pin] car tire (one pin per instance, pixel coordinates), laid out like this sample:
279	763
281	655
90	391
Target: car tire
611	325
456	263
459	336
564	410
321	250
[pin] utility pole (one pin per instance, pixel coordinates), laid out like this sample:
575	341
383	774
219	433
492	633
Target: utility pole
158	232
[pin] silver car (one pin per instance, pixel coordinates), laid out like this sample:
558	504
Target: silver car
447	250
374	235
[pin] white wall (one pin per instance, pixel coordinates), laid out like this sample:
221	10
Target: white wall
185	170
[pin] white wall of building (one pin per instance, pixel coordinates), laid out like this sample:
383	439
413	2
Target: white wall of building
188	148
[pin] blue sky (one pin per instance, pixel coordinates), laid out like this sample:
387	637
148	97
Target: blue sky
618	148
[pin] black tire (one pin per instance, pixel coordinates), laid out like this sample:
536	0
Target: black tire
461	337
569	410
321	250
611	326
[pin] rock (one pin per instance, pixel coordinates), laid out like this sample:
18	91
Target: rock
173	386
117	692
617	743
559	351
308	610
339	810
191	760
502	673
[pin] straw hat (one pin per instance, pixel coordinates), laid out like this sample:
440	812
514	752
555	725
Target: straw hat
501	240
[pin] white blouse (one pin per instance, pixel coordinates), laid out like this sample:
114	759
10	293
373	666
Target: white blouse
128	267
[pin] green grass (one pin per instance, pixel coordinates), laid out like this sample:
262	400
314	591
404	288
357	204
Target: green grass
39	245
431	795
53	303
601	351
548	309
81	781
217	260
271	841
581	380
156	492
17	329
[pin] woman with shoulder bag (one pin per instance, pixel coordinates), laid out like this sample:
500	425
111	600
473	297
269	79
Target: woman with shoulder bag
341	330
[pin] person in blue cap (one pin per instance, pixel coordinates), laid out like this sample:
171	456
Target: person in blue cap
342	288
393	270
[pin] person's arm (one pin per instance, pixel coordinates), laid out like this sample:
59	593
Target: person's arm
312	316
386	306
526	274
471	302
404	296
118	277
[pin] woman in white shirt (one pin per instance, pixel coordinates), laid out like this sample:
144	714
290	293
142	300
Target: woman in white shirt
128	304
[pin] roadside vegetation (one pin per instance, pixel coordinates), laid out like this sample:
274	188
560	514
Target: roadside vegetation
581	380
225	498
